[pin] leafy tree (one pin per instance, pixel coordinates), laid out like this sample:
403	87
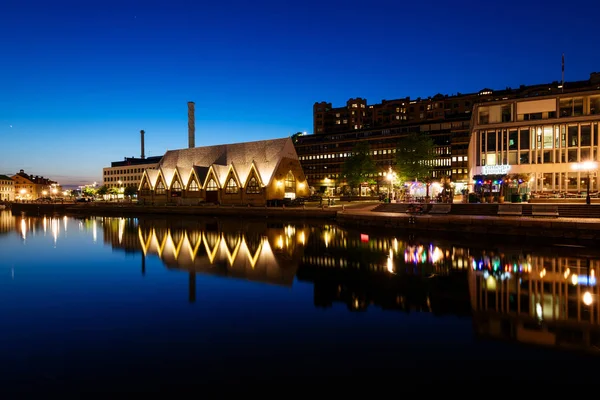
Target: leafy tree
102	190
89	191
360	167
414	157
295	137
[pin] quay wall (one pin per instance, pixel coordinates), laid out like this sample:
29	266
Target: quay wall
476	225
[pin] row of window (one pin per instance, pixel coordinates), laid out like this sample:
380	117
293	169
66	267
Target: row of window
539	137
231	187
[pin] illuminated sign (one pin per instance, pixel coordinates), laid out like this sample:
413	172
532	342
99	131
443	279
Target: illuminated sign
495	169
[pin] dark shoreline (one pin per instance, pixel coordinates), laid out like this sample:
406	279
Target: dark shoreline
567	230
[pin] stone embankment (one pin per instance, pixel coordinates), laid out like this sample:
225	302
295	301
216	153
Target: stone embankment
461	220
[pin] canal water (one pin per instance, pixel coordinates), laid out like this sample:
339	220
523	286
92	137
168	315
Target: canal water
143	303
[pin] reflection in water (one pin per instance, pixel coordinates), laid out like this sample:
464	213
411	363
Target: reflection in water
542	295
537	299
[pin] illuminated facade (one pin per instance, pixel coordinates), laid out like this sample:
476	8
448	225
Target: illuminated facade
551	137
250	173
29	187
127	173
7	188
456	125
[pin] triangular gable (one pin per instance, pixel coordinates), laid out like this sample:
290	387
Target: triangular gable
176	177
160	177
232	171
152	176
254	171
267	169
211	175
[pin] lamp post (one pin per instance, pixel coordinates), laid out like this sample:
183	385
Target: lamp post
390	176
587	166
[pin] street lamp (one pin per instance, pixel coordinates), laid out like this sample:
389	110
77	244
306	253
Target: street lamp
587	166
390	177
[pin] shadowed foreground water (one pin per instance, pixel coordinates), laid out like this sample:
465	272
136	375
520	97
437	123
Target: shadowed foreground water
109	304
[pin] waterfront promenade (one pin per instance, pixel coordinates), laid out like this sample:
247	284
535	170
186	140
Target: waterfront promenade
464	219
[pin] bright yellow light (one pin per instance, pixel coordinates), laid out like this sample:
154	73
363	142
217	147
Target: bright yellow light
574	279
44	193
587	298
280	242
301	185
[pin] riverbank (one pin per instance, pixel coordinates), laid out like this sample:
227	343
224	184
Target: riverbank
360	215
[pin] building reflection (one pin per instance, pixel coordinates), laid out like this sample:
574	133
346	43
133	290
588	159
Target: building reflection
541	294
359	271
7	222
537	299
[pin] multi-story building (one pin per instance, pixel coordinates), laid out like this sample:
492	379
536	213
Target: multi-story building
446	119
128	173
7	188
29	187
549	134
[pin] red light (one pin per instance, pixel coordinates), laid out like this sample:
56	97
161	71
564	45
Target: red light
364	238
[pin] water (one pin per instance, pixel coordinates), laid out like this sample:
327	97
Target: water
128	304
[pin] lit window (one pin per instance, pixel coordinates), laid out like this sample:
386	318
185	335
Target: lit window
212	186
193	186
231	187
252	187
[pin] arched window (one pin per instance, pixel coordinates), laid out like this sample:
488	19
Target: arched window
176	186
231	187
212	186
252	187
290	183
193	186
160	188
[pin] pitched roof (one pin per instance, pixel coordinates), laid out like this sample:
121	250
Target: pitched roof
265	154
5	178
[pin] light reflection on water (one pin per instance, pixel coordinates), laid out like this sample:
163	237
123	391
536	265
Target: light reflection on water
123	275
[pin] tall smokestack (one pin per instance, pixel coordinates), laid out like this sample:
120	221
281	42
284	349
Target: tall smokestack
191	125
142	134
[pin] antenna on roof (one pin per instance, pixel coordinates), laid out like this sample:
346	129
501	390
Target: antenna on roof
562	83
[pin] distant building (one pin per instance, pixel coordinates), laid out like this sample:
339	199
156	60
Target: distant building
127	173
7	188
250	173
29	187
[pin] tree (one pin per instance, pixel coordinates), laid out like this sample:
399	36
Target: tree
360	167
295	137
102	190
89	191
414	157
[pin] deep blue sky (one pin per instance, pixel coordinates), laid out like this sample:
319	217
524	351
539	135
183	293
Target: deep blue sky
79	79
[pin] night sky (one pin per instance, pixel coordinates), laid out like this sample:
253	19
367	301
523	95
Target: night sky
80	79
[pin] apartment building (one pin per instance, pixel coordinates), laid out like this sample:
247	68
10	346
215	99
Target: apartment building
448	120
7	188
550	135
29	187
128	173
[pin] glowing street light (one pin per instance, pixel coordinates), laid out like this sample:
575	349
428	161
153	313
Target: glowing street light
390	177
587	166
